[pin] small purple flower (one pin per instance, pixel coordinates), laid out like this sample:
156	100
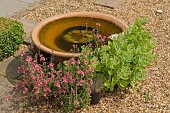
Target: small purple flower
78	61
78	71
55	95
93	62
58	85
148	31
51	65
89	45
99	36
89	91
72	90
72	61
29	59
61	103
91	81
22	52
86	62
65	80
6	98
33	77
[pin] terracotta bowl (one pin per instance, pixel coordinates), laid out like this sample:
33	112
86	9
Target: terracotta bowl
38	28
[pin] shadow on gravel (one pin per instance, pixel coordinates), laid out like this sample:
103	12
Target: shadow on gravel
117	94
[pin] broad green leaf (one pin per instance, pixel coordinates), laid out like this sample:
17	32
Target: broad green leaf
98	68
112	85
123	84
110	72
107	83
132	84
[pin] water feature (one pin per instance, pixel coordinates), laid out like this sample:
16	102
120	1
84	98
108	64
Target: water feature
51	34
57	34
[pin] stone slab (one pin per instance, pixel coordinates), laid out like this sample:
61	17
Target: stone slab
8	7
28	28
109	3
28	1
28	25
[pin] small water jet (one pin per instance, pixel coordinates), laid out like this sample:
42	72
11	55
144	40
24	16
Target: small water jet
56	35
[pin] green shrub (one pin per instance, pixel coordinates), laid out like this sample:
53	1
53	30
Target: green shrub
11	36
124	59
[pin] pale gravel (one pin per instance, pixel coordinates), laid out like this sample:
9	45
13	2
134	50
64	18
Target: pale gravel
157	84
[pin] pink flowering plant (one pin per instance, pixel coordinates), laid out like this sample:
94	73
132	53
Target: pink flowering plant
66	85
77	79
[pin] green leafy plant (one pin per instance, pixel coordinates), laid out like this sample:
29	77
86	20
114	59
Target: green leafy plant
124	59
11	36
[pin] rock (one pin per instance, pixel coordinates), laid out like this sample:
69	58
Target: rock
159	11
109	3
28	39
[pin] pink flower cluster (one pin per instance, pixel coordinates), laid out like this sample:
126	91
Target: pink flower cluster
43	80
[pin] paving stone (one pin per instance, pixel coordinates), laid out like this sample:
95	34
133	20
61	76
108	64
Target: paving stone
29	1
28	25
8	7
28	28
109	3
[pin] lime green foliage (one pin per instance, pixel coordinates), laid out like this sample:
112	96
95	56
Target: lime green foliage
11	35
123	60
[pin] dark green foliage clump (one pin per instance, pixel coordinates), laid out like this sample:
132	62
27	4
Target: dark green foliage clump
11	36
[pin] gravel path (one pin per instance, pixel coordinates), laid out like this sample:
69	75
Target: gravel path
151	95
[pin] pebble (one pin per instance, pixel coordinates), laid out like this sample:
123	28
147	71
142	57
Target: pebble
159	11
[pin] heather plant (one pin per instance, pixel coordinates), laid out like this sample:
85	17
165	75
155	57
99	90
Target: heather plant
66	85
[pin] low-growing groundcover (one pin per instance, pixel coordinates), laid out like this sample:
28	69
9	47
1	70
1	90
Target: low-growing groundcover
67	85
11	36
